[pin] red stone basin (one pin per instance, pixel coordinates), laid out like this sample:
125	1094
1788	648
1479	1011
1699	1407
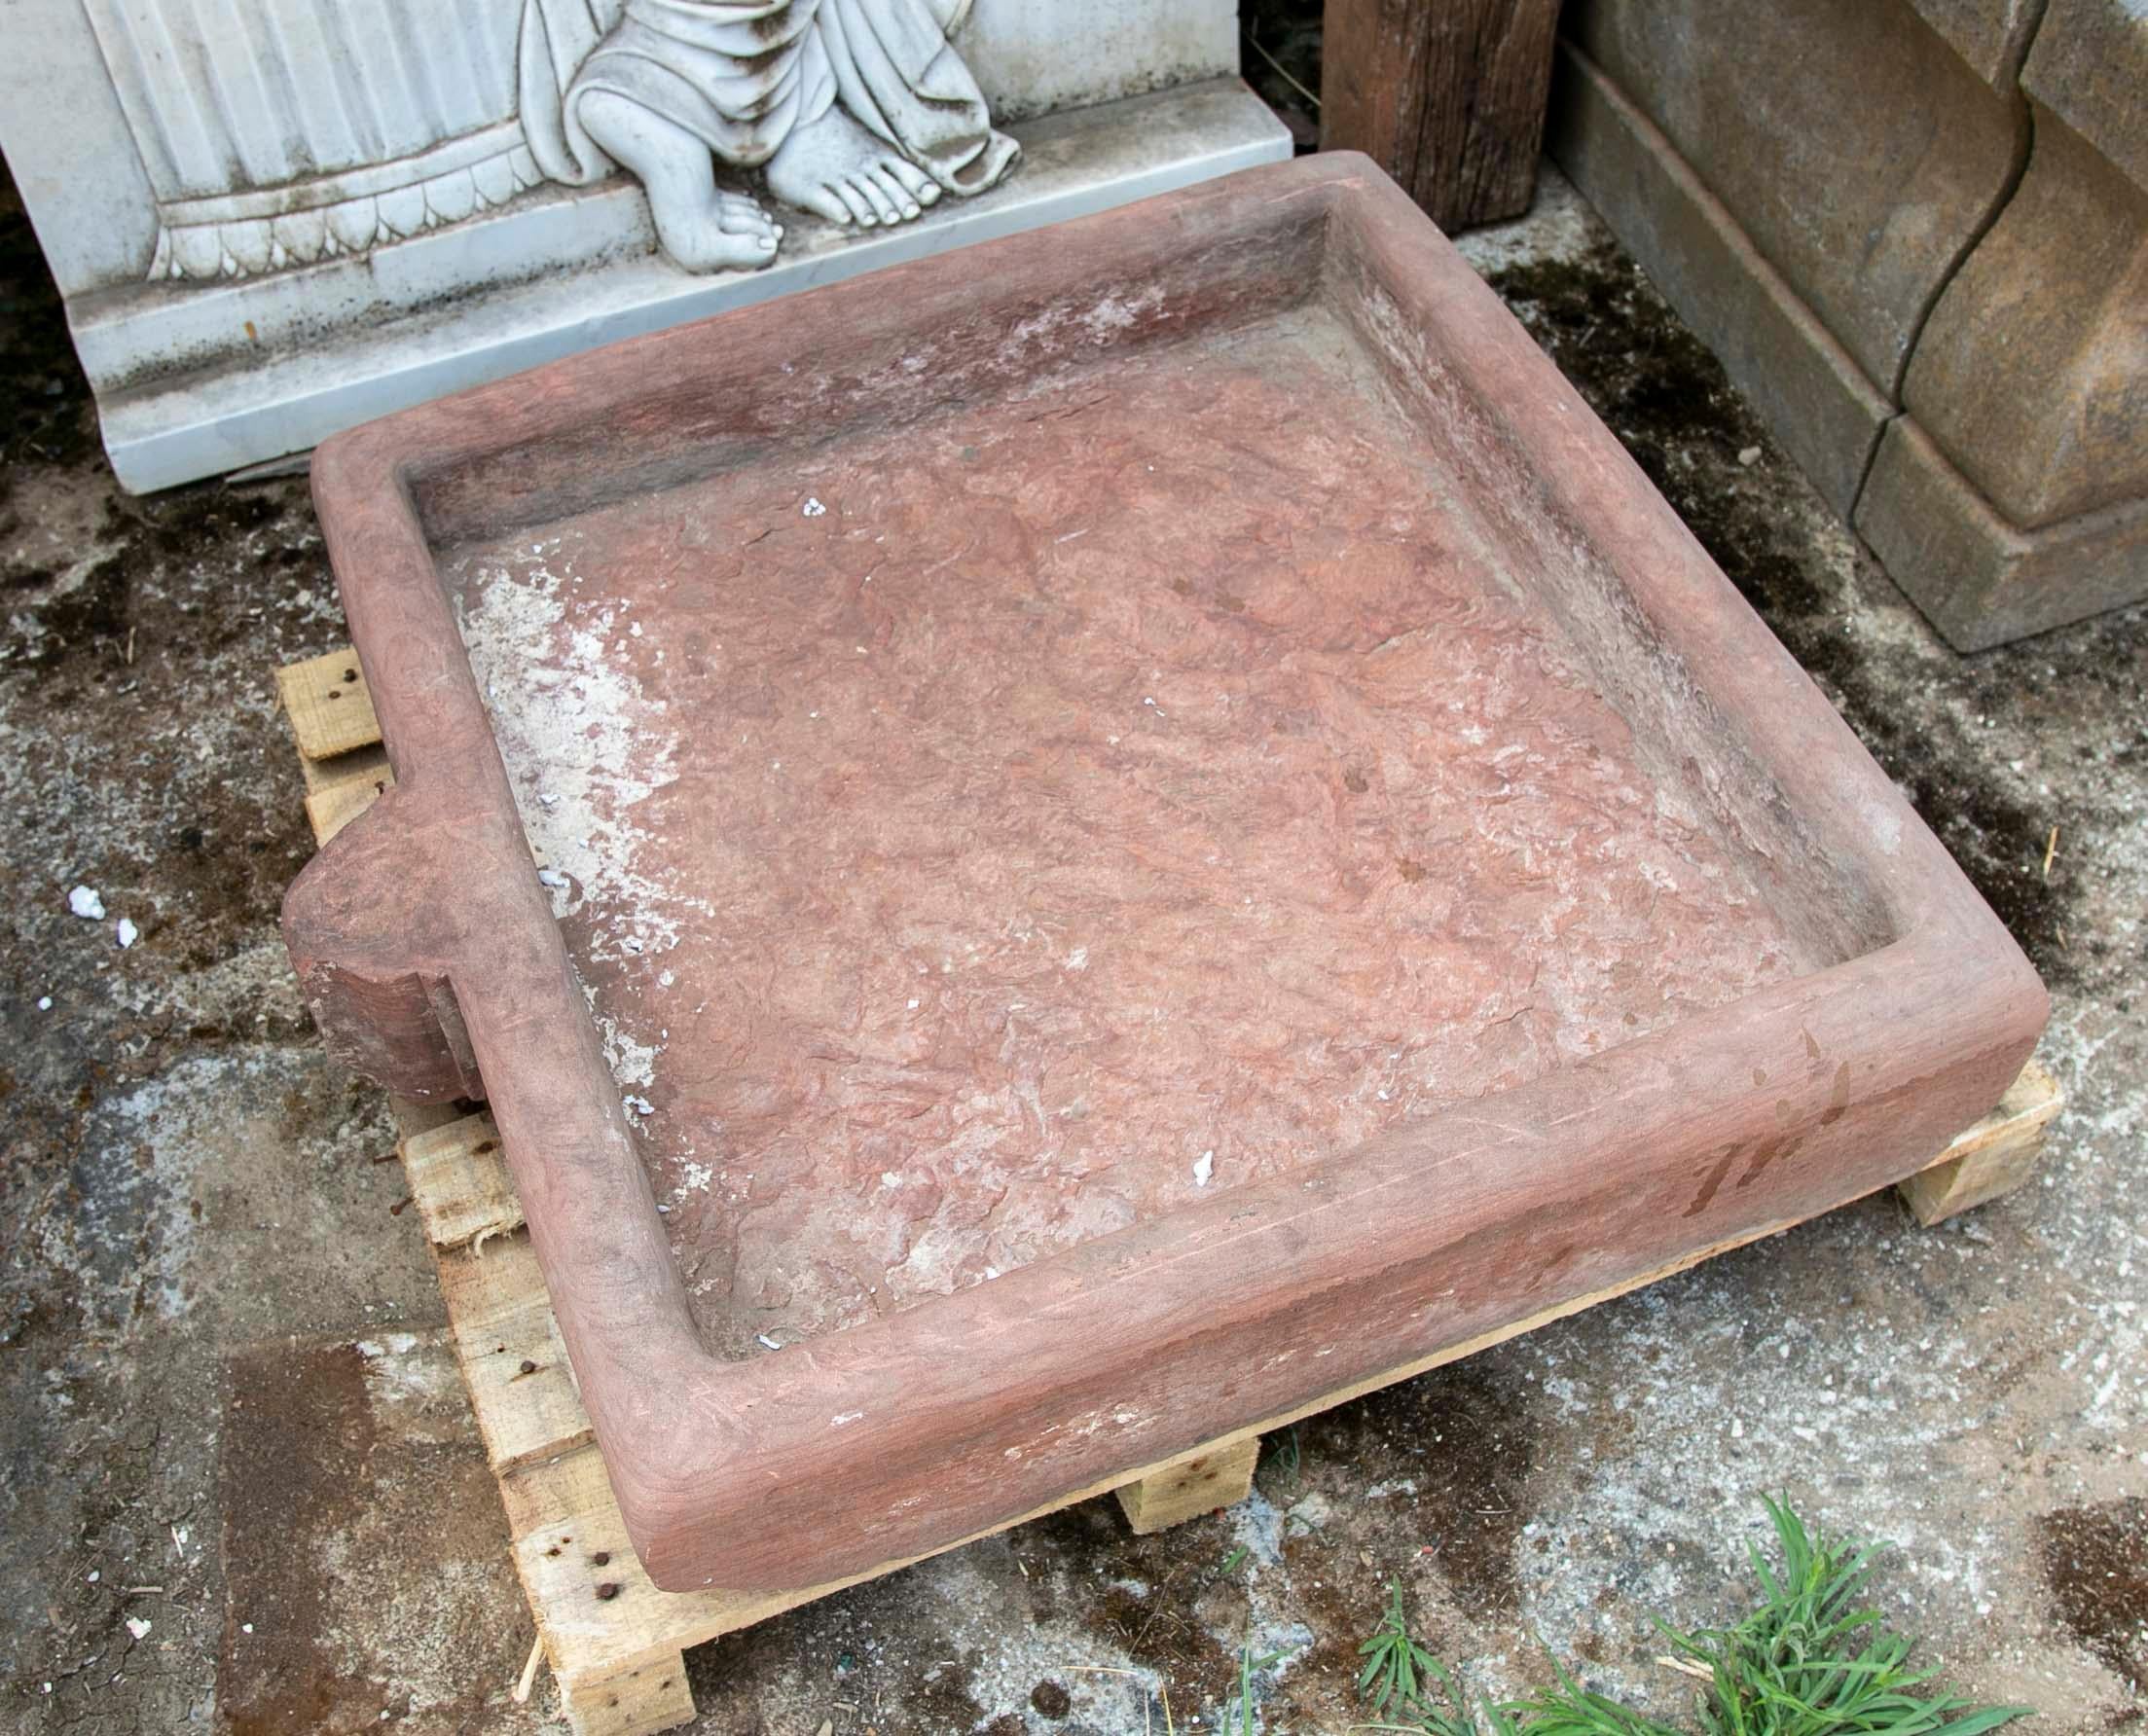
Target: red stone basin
1137	825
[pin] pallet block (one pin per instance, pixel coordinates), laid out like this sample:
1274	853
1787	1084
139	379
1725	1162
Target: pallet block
616	1643
338	738
1190	1488
1994	1157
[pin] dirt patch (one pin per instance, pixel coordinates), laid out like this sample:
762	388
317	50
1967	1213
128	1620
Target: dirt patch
1453	1449
303	1431
2095	1561
91	659
1160	1601
353	1486
1420	1486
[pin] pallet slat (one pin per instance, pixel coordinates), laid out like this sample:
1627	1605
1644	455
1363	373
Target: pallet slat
346	788
330	707
636	1702
513	1360
460	1180
339	739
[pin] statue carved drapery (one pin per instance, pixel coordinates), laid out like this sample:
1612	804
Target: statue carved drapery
742	76
279	133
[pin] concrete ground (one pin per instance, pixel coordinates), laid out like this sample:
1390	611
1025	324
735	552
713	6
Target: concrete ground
237	1484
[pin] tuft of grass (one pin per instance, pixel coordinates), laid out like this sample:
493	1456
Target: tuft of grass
1454	1718
1811	1660
1571	1709
1393	1661
1237	1716
1284	1456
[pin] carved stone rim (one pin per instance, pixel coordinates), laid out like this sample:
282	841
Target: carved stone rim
973	1408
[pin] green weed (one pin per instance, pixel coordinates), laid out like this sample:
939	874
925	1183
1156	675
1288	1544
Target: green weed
1393	1661
1811	1660
1237	1716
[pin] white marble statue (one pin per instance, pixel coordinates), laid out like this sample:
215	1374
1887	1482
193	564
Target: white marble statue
326	130
272	219
858	110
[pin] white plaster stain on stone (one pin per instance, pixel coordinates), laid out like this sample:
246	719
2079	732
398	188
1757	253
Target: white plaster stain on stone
584	746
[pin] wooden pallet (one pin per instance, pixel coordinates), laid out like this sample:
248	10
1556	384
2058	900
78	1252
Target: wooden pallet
614	1640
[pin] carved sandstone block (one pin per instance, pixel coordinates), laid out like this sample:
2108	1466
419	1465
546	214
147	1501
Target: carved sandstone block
2032	373
2016	496
1849	143
1812	229
1809	388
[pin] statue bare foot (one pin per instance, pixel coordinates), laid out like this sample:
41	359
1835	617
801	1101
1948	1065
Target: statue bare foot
702	226
836	169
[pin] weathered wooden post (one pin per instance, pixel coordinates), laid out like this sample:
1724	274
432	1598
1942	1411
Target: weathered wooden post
1447	96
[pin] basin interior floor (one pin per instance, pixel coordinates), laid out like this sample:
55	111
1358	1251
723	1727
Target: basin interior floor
1150	784
238	1485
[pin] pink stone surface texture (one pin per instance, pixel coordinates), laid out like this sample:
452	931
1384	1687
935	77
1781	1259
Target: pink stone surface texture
1049	853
